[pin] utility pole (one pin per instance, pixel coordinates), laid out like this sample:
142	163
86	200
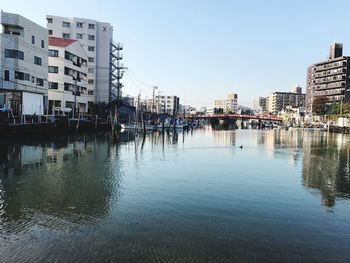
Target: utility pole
154	88
75	97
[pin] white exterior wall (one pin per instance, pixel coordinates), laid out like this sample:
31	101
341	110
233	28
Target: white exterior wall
99	78
167	101
60	94
23	42
104	39
32	103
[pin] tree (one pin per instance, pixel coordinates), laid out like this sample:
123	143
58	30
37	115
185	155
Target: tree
319	105
335	108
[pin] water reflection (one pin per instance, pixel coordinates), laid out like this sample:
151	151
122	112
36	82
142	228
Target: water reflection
188	196
326	167
57	177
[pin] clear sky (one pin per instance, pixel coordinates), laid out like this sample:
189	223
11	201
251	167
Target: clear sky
201	50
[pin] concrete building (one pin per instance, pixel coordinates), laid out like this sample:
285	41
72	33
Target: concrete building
229	104
96	38
167	103
329	78
259	104
279	101
67	75
23	65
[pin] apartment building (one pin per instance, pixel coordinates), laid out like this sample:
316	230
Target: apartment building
96	39
259	104
279	101
167	104
329	78
68	86
228	105
23	65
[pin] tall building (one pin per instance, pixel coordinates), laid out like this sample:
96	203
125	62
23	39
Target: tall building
229	104
329	78
259	104
97	39
279	101
167	104
23	65
67	75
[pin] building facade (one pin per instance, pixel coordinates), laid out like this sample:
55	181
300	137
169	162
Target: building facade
259	104
329	79
23	65
96	38
279	101
68	86
167	104
228	105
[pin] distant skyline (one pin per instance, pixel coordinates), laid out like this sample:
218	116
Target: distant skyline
203	50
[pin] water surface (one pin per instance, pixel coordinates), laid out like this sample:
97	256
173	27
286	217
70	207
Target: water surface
186	197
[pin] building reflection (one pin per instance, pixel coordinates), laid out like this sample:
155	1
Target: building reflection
59	177
326	167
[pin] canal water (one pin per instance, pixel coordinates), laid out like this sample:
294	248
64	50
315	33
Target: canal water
186	197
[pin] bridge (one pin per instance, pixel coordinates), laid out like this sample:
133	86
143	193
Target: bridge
270	118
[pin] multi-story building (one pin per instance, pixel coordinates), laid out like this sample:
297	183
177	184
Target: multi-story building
229	104
167	104
96	38
259	104
279	101
67	75
329	78
23	65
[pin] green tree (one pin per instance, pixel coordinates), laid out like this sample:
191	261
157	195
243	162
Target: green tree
335	108
319	105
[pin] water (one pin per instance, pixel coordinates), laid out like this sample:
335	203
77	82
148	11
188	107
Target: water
188	197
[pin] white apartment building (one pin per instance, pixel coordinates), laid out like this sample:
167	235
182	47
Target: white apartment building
167	104
23	65
229	104
67	76
96	38
259	104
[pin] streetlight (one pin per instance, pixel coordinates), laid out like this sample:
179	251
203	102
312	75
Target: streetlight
154	88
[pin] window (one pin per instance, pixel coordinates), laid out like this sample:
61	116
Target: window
90	92
53	53
37	60
53	69
91	59
42	44
6	75
22	76
19	75
65	24
80	24
33	40
67	86
50	32
91	37
91	26
65	35
91	48
79	36
91	70
49	20
13	53
26	76
91	81
53	85
39	82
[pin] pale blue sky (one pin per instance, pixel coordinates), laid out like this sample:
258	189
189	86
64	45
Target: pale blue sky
202	50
